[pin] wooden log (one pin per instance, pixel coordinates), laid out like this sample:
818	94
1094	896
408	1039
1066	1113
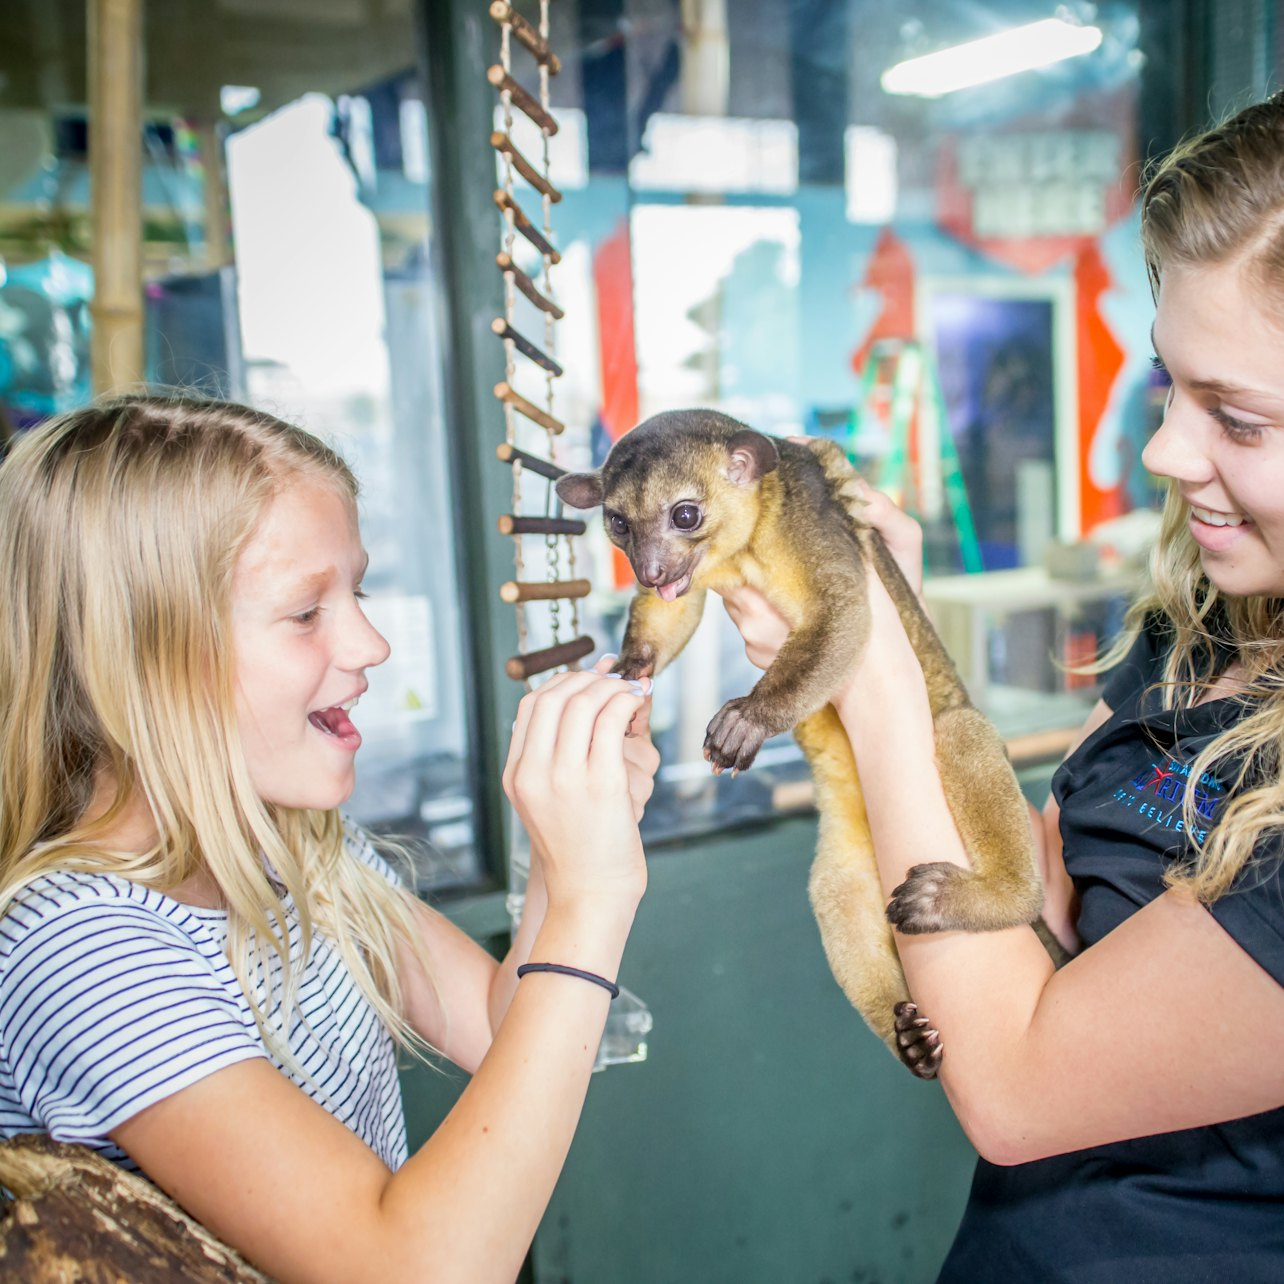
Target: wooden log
501	142
542	590
78	1217
527	35
520	99
512	524
504	262
521	667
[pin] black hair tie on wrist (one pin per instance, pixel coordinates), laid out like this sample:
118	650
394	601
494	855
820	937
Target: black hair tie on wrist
570	971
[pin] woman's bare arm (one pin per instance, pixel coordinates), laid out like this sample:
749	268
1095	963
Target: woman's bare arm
1142	1033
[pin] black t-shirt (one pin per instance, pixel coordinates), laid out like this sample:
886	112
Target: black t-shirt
1204	1204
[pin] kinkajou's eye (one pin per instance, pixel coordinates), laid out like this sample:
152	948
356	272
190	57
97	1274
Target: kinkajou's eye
686	517
617	524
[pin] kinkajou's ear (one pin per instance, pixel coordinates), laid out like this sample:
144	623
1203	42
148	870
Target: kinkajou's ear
750	455
580	490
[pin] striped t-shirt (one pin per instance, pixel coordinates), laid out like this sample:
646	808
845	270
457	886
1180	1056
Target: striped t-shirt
114	997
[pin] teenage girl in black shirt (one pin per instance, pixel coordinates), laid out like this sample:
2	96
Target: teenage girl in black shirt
1129	1108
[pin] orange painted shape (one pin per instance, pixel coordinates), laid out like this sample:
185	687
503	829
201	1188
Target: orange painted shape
613	277
890	271
1100	359
617	348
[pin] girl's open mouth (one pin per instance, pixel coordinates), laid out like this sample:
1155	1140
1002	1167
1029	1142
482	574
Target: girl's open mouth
335	723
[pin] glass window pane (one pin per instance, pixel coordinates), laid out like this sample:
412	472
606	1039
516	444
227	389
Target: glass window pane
286	262
945	281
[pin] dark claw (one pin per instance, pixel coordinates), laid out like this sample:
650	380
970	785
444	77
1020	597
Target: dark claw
918	1044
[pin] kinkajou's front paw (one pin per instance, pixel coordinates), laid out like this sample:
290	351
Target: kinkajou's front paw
734	737
918	1043
637	662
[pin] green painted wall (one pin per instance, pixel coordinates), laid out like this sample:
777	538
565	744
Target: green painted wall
769	1138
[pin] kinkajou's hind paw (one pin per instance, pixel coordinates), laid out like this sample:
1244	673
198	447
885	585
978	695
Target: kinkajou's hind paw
917	1044
944	897
918	904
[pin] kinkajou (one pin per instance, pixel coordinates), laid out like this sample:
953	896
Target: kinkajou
698	501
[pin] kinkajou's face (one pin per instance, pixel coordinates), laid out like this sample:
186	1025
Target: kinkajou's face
679	494
660	524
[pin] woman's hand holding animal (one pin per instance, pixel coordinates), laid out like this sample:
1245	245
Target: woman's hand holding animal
762	627
887	656
901	533
579	783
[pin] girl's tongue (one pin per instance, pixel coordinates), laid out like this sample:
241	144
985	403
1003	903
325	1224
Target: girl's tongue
334	721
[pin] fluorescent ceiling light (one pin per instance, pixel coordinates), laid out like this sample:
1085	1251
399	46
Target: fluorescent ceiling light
1019	49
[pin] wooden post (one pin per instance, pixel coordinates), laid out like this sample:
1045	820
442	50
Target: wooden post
115	62
218	240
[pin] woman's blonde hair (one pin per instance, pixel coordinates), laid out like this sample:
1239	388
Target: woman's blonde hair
1218	199
121	524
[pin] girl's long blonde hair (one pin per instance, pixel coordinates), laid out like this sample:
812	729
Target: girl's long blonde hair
1218	199
121	524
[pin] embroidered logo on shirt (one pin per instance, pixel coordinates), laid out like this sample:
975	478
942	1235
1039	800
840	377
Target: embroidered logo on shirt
1159	793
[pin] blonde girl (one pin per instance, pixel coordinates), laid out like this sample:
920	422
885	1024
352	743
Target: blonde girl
1129	1108
204	970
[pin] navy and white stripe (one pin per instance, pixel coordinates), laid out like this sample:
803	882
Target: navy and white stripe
114	997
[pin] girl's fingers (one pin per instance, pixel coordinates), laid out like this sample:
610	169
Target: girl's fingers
538	714
641	724
561	722
606	745
548	711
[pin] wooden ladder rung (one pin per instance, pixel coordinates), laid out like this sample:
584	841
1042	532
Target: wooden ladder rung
528	35
542	590
523	224
521	667
528	287
512	524
525	346
507	454
501	142
506	393
520	98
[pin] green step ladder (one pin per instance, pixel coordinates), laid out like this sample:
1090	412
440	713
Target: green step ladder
914	385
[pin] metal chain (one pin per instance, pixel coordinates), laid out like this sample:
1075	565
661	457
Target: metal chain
552	543
510	306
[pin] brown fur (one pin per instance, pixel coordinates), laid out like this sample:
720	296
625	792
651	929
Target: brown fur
783	518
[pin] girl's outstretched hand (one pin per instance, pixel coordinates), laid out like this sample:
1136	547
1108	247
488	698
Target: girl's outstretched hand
570	779
641	757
